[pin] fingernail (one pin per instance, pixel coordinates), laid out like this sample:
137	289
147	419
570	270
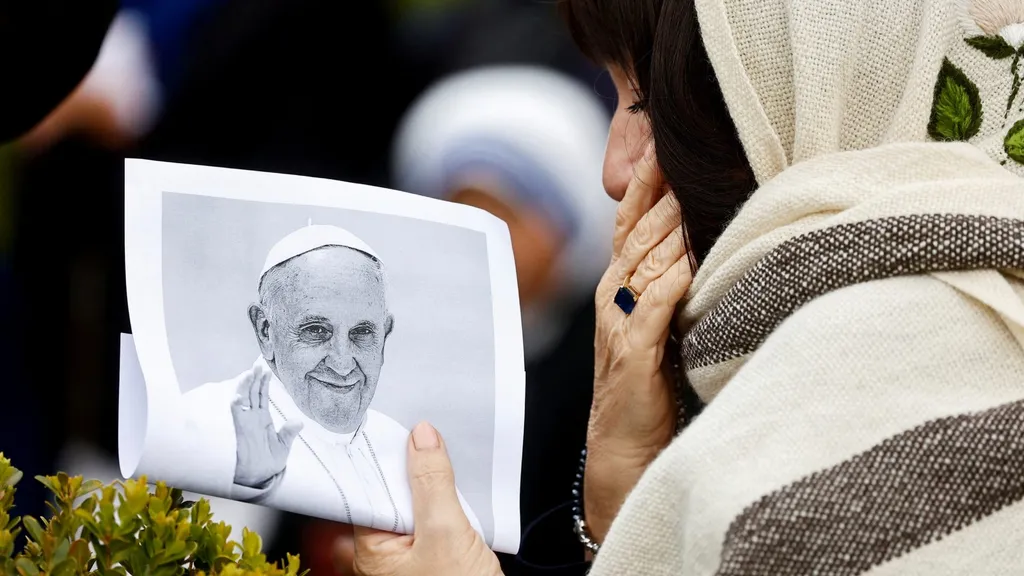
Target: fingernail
424	437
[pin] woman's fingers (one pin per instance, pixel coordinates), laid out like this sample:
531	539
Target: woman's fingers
435	501
658	260
643	191
653	228
656	305
374	552
366	541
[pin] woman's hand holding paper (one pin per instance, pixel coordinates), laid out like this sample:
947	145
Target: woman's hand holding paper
443	541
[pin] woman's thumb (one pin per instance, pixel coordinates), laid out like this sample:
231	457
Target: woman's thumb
435	502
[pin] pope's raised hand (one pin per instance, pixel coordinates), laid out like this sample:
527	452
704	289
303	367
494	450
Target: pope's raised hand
262	450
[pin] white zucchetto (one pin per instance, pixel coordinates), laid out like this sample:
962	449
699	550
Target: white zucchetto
310	238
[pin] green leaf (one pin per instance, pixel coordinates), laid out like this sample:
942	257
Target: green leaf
220	561
201	512
992	46
251	544
14	478
50	482
91	526
6	544
33	527
64	481
170	570
88	505
1014	142
80	552
67	567
61	552
956	109
90	486
26	567
120	549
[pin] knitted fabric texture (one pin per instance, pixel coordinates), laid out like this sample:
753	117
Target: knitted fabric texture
858	329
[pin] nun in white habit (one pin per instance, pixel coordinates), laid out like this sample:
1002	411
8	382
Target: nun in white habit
295	431
525	143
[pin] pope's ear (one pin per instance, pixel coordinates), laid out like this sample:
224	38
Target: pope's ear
261	327
389	325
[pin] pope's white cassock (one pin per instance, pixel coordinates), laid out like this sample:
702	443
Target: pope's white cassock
357	478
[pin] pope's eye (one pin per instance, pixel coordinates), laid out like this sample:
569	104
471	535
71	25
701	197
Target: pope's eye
361	331
316	331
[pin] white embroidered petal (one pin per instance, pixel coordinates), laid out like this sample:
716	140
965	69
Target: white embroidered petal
993	16
1014	35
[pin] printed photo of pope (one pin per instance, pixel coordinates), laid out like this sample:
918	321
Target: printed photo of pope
304	437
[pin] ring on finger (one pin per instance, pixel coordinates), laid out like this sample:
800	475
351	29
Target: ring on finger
626	296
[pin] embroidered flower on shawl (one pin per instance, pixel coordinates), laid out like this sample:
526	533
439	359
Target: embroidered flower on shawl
1002	22
996	29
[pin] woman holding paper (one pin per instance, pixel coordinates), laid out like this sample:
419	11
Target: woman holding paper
846	180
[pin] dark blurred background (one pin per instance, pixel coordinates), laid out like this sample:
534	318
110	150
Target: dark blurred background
312	87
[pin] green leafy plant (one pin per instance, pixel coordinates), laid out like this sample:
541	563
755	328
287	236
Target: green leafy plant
124	528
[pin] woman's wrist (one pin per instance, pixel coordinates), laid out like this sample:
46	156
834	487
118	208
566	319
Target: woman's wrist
609	476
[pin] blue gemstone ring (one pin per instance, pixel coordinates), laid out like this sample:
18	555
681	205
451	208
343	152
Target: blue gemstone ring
626	296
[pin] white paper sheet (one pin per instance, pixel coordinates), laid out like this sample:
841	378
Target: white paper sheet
441	298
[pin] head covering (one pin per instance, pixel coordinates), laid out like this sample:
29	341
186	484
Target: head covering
803	79
309	238
858	328
541	134
858	75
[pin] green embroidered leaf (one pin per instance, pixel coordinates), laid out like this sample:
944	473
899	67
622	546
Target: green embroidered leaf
1014	142
956	110
1015	88
992	46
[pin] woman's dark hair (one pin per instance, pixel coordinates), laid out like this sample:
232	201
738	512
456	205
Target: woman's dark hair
658	44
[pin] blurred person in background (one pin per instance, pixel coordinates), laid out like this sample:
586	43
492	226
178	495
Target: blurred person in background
443	37
44	58
138	68
48	46
526	144
519	142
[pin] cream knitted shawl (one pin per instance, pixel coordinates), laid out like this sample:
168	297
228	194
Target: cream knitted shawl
858	330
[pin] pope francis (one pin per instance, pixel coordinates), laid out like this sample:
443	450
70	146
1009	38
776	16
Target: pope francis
295	431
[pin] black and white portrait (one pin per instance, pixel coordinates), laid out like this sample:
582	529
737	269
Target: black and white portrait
306	341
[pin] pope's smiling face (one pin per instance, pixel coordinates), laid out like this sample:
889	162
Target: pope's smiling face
322	324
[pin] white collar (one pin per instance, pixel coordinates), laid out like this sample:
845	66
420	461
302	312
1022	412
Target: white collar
311	430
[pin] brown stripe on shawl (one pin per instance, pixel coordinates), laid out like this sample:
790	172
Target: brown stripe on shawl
813	264
912	489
